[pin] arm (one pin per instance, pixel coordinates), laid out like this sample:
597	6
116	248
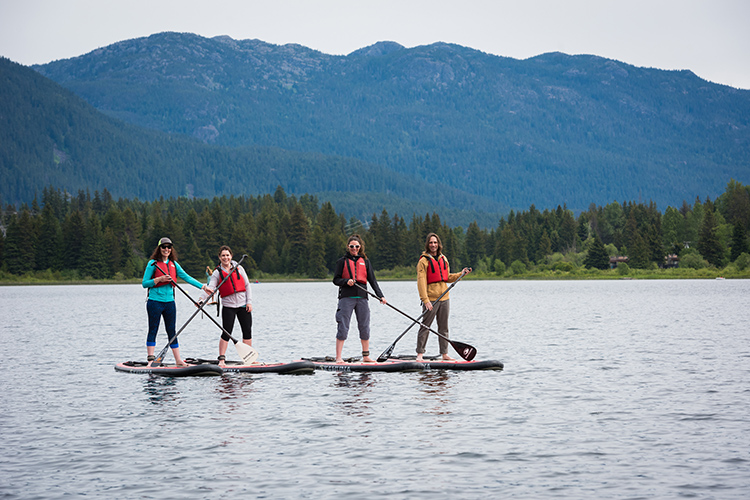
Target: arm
186	277
213	282
422	282
338	280
453	277
148	275
248	292
371	279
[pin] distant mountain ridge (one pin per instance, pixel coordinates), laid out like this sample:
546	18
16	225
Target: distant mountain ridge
51	137
548	130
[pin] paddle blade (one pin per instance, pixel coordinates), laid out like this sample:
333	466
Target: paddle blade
386	354
464	350
247	353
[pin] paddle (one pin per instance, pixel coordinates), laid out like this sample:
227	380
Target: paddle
387	353
157	360
246	352
464	350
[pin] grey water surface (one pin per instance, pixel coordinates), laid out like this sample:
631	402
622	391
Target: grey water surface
611	389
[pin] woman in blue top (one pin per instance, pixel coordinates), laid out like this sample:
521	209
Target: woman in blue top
159	277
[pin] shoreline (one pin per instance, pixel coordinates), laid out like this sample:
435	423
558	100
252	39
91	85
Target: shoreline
584	276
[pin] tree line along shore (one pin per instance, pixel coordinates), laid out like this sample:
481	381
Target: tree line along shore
84	238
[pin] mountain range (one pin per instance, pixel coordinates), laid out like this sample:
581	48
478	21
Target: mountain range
439	125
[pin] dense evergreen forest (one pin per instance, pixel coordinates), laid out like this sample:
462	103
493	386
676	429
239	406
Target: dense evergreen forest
65	236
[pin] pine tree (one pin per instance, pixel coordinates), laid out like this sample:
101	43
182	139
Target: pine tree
205	233
73	235
299	233
708	241
638	252
316	265
333	235
567	233
191	259
49	243
13	253
93	257
597	256
545	247
474	245
739	240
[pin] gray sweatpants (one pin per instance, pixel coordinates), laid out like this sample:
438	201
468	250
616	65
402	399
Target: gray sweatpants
439	311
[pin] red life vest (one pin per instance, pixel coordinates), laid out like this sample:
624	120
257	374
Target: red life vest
167	269
234	284
438	269
359	274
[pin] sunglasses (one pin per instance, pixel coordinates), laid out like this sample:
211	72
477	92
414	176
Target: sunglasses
166	246
353	246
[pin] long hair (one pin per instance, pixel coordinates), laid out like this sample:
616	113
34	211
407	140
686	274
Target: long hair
358	239
156	255
427	243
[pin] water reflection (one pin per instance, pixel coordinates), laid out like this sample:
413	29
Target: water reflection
435	385
357	388
231	389
160	389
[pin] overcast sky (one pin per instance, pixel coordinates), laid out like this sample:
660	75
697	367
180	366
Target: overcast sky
710	38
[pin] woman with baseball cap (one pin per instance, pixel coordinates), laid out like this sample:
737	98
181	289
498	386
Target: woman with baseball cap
159	277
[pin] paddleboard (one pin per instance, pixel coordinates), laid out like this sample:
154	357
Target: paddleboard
169	370
298	367
356	365
437	363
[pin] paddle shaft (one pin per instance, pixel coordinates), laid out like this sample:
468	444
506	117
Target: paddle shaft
157	360
386	354
464	350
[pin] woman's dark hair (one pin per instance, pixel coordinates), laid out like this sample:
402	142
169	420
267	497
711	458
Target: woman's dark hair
358	239
225	247
427	243
156	255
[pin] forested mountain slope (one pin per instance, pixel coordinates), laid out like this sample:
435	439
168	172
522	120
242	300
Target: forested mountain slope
51	137
548	130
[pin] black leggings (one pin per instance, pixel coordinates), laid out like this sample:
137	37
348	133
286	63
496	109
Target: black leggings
246	321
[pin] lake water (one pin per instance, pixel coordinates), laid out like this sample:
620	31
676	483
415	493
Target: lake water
611	389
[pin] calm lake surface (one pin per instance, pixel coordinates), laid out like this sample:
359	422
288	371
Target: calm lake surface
611	389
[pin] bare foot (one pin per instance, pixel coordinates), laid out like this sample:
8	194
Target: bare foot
447	358
339	361
368	359
419	359
180	363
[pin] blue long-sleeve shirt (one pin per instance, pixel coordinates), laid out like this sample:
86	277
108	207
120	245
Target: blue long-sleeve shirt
164	293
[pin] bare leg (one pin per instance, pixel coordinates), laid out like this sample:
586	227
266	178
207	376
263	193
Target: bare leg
222	350
366	348
339	350
177	359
